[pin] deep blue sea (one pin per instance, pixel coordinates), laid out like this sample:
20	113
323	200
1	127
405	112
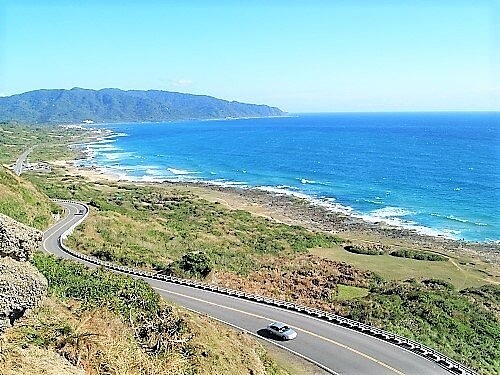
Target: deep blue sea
435	172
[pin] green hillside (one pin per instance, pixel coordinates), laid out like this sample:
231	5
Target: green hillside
114	105
20	200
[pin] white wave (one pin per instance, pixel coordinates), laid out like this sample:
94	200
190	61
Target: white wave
102	141
408	225
377	200
117	155
179	171
282	191
287	187
119	135
328	203
452	217
103	147
390	212
458	219
306	181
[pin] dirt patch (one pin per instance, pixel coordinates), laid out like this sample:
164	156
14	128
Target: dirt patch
305	279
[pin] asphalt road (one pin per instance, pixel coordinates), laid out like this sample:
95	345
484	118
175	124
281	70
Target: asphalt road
19	165
336	349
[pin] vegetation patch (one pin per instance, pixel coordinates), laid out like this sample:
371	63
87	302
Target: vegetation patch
192	264
108	323
154	227
50	142
155	327
349	292
465	325
366	249
23	202
418	255
305	279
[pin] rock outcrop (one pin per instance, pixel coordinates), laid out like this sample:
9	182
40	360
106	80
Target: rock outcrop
22	287
17	240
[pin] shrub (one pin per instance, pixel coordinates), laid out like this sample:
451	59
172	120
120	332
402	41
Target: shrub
365	250
155	325
418	255
193	263
462	324
196	263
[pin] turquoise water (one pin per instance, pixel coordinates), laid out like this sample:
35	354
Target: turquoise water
435	172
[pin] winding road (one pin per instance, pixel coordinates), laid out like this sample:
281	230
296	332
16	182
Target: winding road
335	349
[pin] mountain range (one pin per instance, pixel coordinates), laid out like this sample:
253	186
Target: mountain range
110	105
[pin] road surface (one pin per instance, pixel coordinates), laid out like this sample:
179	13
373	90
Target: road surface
336	349
21	161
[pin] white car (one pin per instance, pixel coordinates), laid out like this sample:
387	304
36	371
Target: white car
281	330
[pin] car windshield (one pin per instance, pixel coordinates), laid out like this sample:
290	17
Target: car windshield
283	329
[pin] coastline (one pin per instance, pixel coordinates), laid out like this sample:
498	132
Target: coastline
293	210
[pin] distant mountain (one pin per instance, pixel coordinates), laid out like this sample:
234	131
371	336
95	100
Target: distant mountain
114	105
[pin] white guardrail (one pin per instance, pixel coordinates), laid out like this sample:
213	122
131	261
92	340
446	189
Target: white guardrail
424	351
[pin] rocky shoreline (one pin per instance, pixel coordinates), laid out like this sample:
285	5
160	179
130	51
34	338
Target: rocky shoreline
300	211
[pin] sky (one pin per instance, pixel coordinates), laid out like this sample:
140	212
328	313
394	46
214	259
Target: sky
302	56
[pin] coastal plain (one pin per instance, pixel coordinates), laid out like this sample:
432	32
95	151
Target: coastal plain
284	247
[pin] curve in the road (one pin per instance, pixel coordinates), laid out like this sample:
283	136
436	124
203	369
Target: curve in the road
337	348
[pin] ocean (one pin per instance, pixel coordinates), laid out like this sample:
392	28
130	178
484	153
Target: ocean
437	173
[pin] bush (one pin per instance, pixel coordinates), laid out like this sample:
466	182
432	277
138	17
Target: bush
154	324
365	250
196	263
192	264
418	255
463	325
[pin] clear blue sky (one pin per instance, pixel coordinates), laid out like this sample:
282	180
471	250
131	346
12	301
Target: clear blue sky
303	56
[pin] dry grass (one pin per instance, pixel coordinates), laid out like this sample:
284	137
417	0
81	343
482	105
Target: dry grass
58	338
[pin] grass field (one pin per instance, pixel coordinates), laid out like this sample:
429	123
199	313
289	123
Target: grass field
394	268
50	142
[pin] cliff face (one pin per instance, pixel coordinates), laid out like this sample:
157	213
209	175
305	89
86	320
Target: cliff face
17	241
22	287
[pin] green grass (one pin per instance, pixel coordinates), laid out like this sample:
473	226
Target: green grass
348	292
23	202
151	227
50	142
